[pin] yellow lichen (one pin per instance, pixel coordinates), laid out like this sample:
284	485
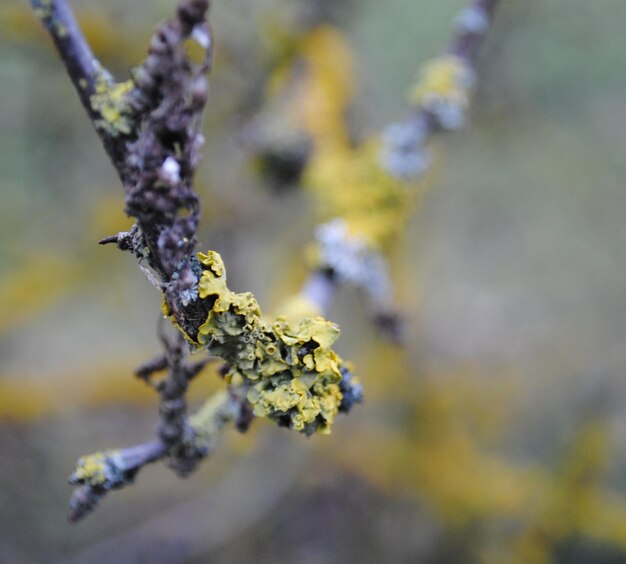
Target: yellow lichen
111	101
315	88
317	100
94	469
291	369
447	77
443	89
298	307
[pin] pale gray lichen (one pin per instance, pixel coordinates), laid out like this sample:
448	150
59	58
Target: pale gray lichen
403	154
353	261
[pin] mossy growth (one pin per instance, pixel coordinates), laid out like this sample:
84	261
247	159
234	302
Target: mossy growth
292	373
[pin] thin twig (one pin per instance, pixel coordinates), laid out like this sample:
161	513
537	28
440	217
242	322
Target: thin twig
83	68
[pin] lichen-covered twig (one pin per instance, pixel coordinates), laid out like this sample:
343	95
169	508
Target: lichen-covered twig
99	473
150	127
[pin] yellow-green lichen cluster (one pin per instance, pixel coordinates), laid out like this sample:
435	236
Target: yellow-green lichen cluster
95	469
111	101
443	89
291	370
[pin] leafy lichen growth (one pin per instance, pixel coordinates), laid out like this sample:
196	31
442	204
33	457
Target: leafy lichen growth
292	372
112	102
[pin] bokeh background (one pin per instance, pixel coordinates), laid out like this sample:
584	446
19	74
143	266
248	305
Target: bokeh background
497	434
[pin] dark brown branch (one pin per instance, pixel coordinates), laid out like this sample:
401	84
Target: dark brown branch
150	127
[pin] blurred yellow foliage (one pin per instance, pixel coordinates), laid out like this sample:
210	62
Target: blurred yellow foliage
18	24
37	282
320	94
25	396
107	217
574	501
349	183
346	181
446	461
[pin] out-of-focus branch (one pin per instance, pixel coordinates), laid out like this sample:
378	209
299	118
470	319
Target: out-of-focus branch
363	193
440	102
440	98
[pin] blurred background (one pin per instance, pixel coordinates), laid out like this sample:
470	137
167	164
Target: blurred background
497	434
